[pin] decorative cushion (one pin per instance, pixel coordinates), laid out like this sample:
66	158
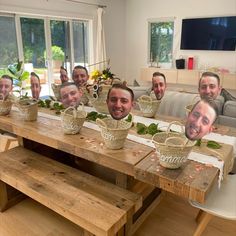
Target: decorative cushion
230	109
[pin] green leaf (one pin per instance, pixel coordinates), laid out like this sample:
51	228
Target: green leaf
129	118
198	143
24	76
213	144
141	128
19	64
152	129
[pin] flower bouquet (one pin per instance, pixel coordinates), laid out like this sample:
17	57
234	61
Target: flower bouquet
97	92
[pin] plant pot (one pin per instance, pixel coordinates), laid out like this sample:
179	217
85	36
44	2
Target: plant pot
172	147
28	109
148	106
114	132
5	107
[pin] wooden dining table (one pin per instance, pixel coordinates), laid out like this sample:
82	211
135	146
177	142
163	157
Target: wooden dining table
192	180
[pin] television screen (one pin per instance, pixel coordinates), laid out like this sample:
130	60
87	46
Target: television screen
215	33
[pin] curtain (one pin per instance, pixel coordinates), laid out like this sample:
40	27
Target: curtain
100	44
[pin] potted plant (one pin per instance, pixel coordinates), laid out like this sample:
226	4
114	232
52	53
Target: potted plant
27	105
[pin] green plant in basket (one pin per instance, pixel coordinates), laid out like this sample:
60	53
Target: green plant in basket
19	76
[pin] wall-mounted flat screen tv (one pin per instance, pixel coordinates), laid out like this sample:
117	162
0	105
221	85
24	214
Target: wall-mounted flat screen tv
215	33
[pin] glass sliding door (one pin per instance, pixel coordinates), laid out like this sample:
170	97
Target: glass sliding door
60	48
80	42
34	49
44	44
8	42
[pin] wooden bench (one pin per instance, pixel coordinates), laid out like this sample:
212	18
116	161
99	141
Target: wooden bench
99	207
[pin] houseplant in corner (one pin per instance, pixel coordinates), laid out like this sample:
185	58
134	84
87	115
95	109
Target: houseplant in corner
27	106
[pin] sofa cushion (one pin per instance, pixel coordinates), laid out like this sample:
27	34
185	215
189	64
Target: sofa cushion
220	103
174	103
230	109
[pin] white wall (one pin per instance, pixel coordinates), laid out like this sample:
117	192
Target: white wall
139	11
126	27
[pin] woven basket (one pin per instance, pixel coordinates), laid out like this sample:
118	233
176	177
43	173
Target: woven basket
114	132
72	120
98	96
28	109
148	106
5	106
173	148
189	107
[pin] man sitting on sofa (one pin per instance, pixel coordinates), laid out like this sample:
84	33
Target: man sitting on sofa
201	119
158	84
209	85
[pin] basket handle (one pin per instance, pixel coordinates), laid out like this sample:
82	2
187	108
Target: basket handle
69	109
175	122
101	123
184	142
82	107
146	98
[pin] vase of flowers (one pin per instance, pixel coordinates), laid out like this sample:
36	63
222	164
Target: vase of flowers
97	92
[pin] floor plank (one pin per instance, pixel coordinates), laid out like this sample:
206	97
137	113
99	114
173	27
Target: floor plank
173	217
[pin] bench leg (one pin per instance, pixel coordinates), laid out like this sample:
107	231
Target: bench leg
3	196
9	196
123	181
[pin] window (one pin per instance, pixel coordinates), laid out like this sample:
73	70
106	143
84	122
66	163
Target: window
8	45
161	41
44	44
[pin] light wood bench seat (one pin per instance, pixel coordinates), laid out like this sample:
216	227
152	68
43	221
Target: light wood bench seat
99	207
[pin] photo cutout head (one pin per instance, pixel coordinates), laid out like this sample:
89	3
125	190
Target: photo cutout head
120	101
201	119
209	85
70	94
158	85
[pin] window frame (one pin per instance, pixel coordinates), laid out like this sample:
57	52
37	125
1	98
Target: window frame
159	20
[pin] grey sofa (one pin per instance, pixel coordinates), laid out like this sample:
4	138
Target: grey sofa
174	102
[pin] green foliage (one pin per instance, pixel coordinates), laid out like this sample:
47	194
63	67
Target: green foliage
129	118
48	103
93	115
19	75
141	128
161	41
28	54
57	54
213	144
107	74
198	143
151	129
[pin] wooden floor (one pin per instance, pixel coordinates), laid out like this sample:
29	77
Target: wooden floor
174	216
